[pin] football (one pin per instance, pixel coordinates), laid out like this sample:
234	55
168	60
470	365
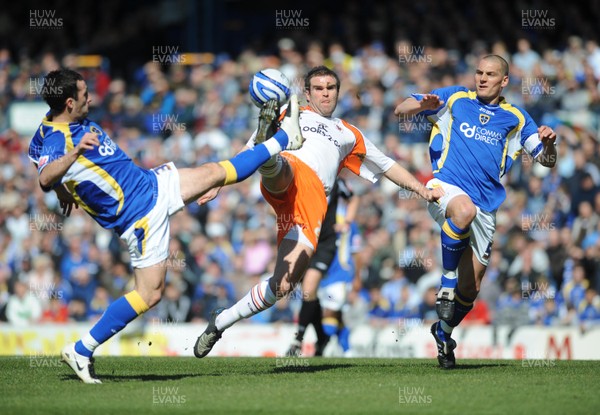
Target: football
268	84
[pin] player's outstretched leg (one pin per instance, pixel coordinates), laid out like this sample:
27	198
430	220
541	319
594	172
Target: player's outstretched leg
290	126
292	260
288	137
260	297
445	345
267	121
211	335
82	366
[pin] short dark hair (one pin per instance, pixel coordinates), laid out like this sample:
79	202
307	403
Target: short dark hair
501	61
320	71
60	85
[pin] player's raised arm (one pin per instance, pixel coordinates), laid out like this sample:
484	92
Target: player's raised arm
411	105
53	172
403	178
547	157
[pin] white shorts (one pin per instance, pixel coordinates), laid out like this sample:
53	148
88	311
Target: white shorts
333	296
482	228
148	238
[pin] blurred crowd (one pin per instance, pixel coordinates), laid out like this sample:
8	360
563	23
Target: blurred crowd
544	267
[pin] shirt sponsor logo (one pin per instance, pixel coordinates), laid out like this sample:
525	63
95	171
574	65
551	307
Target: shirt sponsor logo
481	134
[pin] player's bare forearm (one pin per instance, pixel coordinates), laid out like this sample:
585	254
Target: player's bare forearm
409	106
403	178
54	171
412	106
352	208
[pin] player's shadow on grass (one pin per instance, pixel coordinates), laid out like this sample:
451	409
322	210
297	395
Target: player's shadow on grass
309	368
467	366
142	377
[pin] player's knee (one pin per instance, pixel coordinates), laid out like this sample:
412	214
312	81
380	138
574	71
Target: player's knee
464	214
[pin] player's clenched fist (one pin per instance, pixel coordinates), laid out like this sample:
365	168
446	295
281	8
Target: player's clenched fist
87	142
434	194
547	135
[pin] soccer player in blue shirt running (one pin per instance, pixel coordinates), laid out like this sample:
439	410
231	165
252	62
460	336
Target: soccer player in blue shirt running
75	157
476	137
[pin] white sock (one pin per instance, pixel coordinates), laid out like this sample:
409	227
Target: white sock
259	298
272	167
273	146
89	342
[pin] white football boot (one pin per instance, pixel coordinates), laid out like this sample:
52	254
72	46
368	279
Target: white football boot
291	125
81	365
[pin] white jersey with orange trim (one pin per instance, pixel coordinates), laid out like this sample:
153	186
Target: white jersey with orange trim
332	144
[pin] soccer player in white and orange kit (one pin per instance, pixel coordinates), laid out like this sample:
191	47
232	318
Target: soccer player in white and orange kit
297	185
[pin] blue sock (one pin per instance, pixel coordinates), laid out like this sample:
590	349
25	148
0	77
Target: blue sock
330	326
462	306
242	166
454	242
115	318
344	338
282	138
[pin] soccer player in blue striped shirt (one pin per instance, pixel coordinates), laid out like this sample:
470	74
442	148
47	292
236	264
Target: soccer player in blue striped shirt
476	137
75	157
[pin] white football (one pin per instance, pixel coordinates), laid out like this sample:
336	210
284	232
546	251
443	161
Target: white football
268	84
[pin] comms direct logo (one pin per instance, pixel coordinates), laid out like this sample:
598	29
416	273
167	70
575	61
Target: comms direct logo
481	134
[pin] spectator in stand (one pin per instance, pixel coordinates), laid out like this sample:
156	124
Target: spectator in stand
588	311
56	312
574	290
23	309
427	311
379	307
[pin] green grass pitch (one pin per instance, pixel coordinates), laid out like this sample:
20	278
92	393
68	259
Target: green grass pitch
152	385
